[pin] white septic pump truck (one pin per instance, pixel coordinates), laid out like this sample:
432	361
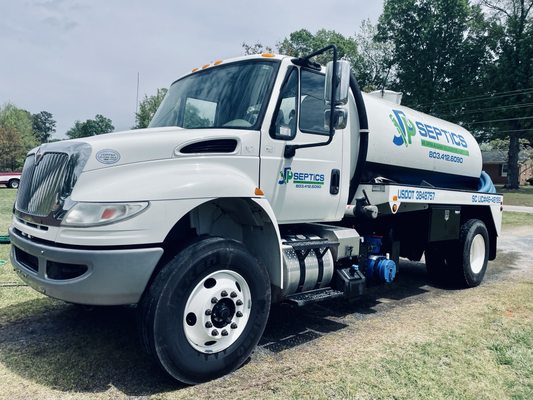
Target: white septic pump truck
260	179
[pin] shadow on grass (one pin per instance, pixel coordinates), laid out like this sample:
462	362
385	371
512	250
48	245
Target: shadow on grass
71	349
67	348
291	326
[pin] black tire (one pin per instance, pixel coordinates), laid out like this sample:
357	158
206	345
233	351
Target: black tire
13	183
473	253
162	310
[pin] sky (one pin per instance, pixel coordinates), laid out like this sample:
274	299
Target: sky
79	58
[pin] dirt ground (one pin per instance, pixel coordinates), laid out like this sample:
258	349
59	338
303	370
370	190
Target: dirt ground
407	340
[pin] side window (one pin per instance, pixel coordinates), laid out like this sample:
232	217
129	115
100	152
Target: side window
284	123
312	104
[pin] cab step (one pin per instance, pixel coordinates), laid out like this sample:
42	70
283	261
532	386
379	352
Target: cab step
313	296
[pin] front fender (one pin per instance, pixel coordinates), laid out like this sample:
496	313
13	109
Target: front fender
272	243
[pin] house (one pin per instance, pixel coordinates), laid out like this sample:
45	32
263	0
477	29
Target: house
495	164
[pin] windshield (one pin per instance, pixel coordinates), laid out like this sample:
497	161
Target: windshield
228	96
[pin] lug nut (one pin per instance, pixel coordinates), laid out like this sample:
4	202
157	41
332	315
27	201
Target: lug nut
224	333
214	300
233	326
239	302
224	293
233	294
239	314
208	324
207	312
214	332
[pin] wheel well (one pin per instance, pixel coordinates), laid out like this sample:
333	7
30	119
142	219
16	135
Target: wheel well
233	218
483	214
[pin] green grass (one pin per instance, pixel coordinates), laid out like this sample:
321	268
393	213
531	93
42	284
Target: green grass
511	219
521	197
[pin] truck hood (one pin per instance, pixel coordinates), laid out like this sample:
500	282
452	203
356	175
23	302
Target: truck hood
140	145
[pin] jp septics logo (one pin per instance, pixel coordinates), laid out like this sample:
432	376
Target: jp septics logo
301	180
404	127
430	136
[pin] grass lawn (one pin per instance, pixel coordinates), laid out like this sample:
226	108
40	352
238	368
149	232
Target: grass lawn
521	197
511	219
430	343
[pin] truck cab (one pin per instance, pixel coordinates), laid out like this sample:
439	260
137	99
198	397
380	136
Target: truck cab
264	187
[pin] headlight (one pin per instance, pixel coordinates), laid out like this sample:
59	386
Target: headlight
90	214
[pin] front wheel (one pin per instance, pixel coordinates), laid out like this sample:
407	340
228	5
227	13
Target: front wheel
205	310
13	184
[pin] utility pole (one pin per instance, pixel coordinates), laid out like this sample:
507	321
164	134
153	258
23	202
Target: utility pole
137	99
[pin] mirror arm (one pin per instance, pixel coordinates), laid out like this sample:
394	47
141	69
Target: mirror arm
304	62
290	149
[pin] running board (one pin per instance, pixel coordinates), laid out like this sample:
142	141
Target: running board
313	296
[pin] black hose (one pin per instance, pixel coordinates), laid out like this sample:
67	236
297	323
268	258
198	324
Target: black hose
363	137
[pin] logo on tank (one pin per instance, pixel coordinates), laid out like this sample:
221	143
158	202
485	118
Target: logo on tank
405	128
439	140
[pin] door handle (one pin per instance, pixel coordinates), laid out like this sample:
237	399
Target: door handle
335	181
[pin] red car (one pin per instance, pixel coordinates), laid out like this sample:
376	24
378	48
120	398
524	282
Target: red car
10	179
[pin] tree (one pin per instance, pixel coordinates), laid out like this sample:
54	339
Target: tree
511	79
377	67
148	107
438	49
12	151
16	136
256	48
91	127
43	126
371	70
303	42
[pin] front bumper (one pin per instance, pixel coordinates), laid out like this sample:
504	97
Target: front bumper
111	277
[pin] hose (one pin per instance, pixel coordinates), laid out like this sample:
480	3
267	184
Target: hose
363	137
485	183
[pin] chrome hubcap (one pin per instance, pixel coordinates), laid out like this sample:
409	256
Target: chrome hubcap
217	311
477	253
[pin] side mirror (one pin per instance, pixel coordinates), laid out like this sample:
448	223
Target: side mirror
340	118
343	82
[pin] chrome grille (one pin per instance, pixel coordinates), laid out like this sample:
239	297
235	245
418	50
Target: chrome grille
42	184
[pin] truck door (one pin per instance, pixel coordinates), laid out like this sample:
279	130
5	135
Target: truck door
307	187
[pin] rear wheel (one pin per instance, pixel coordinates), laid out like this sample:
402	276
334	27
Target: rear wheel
205	310
462	262
474	253
13	184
